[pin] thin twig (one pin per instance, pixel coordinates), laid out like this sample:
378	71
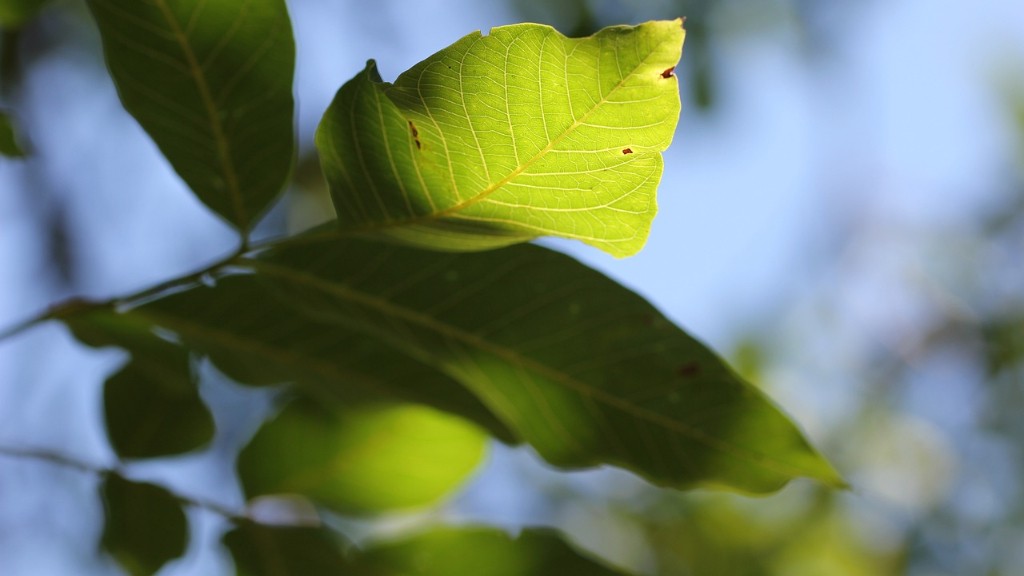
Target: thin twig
57	459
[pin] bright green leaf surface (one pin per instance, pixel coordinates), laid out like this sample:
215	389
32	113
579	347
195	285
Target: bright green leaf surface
361	460
580	367
211	82
477	551
8	138
151	406
260	550
253	337
145	525
502	138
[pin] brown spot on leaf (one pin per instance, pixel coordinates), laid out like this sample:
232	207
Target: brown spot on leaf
412	128
688	370
627	150
669	72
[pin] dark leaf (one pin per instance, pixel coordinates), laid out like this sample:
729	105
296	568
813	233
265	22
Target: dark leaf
8	138
211	82
260	550
152	407
145	525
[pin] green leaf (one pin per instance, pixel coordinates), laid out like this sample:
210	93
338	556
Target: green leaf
211	83
8	138
15	13
450	551
255	338
151	406
583	369
504	138
145	525
361	460
260	550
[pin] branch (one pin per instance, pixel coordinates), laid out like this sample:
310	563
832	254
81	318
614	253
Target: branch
58	459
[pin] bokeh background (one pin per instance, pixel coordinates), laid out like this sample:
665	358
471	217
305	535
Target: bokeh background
842	216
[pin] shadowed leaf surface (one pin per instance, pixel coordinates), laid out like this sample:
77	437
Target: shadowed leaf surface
151	406
363	460
211	82
256	338
145	526
583	369
8	138
15	13
502	138
260	550
450	551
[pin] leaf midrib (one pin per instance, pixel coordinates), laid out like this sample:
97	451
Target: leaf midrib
515	358
210	107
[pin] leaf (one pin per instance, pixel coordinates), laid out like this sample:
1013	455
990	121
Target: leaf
362	460
504	138
15	13
255	338
8	138
210	81
151	406
583	369
145	526
260	550
449	551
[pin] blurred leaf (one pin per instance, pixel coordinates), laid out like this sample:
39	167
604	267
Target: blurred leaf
145	525
211	82
255	338
260	550
456	551
15	13
152	406
585	370
504	138
361	460
8	138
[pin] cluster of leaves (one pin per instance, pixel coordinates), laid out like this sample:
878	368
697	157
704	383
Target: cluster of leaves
417	324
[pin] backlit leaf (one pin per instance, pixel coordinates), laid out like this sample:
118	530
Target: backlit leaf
450	551
211	82
145	526
360	460
502	138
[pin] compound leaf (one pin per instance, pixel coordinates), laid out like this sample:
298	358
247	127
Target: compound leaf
502	138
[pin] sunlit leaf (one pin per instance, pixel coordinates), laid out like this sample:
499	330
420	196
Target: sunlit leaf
211	82
260	550
361	460
502	138
451	551
151	406
8	138
145	526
